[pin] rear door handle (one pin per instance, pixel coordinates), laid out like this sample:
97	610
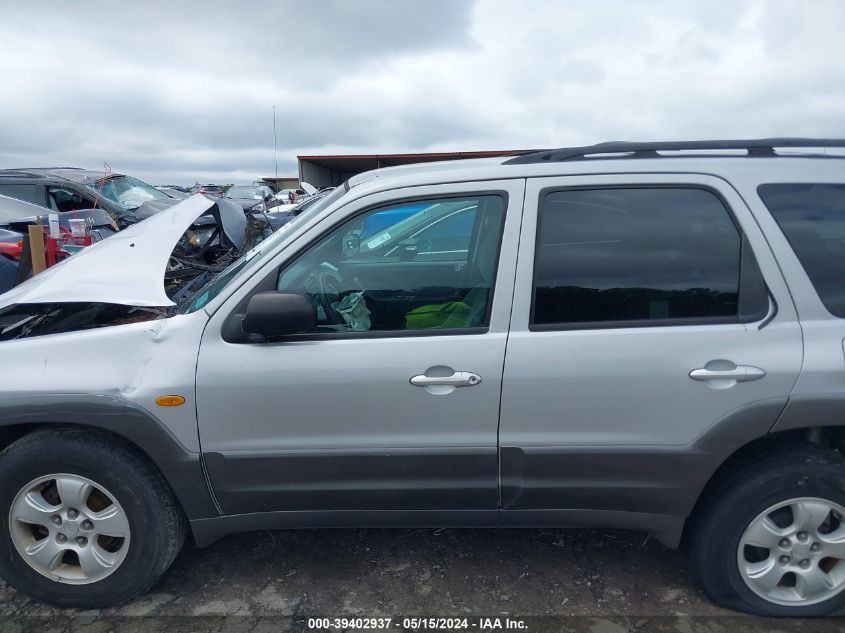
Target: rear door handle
458	379
740	373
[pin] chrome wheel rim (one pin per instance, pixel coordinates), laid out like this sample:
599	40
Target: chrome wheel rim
69	529
793	553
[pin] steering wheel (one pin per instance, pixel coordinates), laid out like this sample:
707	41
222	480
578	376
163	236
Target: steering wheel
329	283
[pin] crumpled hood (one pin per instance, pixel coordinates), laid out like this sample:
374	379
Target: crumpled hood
128	268
230	216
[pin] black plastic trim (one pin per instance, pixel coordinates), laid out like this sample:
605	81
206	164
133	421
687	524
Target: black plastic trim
754	296
426	478
336	336
748	264
665	528
650	488
805	411
180	467
650	479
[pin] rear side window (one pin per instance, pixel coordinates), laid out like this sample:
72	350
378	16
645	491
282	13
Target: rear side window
635	256
28	193
812	217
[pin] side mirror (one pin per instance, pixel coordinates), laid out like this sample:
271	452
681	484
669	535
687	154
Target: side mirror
273	314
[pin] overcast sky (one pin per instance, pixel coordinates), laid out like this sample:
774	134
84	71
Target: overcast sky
179	91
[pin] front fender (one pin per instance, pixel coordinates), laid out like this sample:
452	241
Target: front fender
181	467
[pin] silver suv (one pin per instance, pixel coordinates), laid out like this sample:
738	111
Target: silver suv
645	336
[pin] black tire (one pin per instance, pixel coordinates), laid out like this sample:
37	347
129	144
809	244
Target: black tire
157	524
718	524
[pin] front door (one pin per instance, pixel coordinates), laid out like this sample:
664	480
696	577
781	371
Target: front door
392	403
652	335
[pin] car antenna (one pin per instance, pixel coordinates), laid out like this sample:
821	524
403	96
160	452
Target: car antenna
107	171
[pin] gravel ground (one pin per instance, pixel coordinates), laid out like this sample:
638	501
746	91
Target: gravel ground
588	580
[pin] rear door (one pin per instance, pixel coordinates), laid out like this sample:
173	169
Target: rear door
651	330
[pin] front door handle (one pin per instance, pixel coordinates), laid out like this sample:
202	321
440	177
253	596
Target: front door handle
734	374
458	379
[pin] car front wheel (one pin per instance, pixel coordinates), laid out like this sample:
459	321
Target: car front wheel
84	520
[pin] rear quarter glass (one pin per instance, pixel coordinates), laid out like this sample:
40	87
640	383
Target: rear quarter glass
812	217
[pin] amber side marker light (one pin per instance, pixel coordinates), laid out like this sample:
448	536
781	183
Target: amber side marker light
170	401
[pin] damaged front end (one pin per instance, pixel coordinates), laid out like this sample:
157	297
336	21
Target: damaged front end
39	319
139	274
212	243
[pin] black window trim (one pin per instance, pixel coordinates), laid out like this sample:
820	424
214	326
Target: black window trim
748	271
231	330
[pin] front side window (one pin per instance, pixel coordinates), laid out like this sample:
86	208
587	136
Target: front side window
635	255
812	217
62	199
421	265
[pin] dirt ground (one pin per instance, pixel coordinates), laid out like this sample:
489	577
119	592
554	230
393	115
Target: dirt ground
580	580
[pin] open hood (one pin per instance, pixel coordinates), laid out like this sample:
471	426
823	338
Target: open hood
127	268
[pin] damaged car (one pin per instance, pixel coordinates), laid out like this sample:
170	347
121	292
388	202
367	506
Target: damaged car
211	236
252	197
631	335
127	201
15	218
125	198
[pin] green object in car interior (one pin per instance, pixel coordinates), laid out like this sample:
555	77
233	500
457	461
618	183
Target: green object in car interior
439	315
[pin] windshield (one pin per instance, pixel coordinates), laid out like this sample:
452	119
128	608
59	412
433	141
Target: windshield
255	255
255	193
127	192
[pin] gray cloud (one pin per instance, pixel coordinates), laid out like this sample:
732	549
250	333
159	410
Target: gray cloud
174	92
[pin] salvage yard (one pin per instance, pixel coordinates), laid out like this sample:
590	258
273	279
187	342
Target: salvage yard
589	580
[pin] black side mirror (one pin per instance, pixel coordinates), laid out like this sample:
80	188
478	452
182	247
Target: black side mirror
273	314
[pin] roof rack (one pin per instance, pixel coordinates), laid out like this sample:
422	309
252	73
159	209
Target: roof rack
18	173
39	168
753	147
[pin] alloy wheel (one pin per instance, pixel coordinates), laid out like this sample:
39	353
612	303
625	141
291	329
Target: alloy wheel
793	553
69	529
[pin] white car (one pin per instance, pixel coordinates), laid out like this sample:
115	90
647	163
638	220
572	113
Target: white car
305	190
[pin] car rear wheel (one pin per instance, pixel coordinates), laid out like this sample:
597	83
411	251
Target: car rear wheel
793	553
84	520
771	539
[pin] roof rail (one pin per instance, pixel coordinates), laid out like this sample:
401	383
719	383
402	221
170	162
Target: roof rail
754	147
39	168
17	173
